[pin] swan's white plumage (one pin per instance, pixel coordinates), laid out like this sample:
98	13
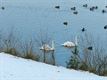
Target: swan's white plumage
68	44
46	47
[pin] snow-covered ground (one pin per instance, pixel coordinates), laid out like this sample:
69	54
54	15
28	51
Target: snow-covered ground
15	68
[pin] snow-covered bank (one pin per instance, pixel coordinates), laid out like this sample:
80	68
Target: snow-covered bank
14	68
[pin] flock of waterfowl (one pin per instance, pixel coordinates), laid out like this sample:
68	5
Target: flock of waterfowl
92	8
75	11
70	44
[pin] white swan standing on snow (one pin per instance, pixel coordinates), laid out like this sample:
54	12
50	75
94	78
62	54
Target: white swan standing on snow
46	47
70	44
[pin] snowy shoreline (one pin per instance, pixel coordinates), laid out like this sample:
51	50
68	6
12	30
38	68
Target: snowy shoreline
15	68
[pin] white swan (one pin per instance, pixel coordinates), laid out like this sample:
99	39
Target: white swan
70	44
46	47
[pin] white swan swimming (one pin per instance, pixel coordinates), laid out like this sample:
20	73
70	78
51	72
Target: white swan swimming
46	47
70	44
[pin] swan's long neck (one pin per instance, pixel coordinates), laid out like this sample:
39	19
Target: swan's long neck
53	46
76	40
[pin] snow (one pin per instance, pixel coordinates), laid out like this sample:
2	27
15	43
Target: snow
15	68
